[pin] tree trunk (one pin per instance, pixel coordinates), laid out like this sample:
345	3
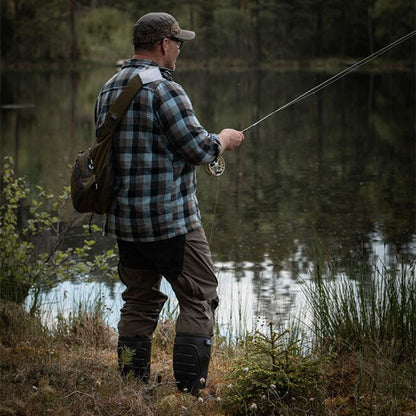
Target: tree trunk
257	33
74	45
370	29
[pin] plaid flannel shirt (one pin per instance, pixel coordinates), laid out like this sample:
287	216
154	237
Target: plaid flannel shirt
155	150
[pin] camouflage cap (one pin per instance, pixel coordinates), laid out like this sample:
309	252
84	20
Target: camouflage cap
154	26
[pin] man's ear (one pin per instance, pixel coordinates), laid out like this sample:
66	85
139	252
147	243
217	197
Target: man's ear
164	45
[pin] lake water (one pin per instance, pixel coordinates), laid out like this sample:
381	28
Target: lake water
332	177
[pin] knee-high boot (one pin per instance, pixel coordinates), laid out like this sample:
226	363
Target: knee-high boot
134	356
191	356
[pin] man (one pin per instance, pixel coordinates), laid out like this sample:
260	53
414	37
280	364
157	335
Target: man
154	214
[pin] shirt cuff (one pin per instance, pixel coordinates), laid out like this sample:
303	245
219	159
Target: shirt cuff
218	146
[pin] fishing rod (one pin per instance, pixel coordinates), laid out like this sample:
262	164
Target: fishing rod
334	78
217	167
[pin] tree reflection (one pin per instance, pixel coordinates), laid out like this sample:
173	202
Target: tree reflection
329	179
321	176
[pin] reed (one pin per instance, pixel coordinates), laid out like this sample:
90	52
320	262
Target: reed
374	307
366	322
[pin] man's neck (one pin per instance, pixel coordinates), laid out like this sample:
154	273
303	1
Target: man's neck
142	56
149	57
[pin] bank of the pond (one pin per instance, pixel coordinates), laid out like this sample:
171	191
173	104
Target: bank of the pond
331	64
70	368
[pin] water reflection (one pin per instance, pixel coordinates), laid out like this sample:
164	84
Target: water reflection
332	177
250	294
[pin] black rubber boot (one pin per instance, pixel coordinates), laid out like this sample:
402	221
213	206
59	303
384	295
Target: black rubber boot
134	356
191	356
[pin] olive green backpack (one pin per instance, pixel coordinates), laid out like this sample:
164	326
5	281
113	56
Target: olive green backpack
91	176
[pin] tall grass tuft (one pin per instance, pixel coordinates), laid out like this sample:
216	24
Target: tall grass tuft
375	307
84	326
367	321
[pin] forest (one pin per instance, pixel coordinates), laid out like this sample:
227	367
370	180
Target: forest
229	32
315	213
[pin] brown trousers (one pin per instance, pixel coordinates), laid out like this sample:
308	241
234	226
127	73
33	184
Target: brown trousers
195	287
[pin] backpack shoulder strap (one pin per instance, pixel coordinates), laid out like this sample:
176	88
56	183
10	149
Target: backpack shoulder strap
145	76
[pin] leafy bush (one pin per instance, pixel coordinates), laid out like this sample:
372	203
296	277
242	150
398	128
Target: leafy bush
273	372
31	234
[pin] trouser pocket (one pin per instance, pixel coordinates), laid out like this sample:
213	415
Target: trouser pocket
196	287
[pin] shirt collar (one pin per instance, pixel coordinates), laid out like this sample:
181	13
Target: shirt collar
142	63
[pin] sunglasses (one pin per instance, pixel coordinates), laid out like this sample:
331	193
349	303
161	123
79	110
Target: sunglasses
179	42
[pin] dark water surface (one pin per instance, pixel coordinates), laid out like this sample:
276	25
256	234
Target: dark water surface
330	177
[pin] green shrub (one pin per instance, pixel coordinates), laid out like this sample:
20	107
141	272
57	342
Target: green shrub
272	373
31	237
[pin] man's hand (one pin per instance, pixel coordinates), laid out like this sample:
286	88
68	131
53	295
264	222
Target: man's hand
230	139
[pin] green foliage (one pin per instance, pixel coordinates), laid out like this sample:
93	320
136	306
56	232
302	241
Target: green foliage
126	359
33	28
232	25
272	373
31	234
105	33
244	30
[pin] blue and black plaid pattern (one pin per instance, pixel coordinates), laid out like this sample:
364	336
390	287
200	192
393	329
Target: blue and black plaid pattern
155	150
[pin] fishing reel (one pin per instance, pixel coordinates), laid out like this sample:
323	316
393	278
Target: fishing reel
216	168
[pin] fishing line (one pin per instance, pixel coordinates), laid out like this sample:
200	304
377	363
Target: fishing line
217	167
214	216
334	78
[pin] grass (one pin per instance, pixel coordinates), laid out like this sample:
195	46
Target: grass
71	369
377	309
361	362
367	321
